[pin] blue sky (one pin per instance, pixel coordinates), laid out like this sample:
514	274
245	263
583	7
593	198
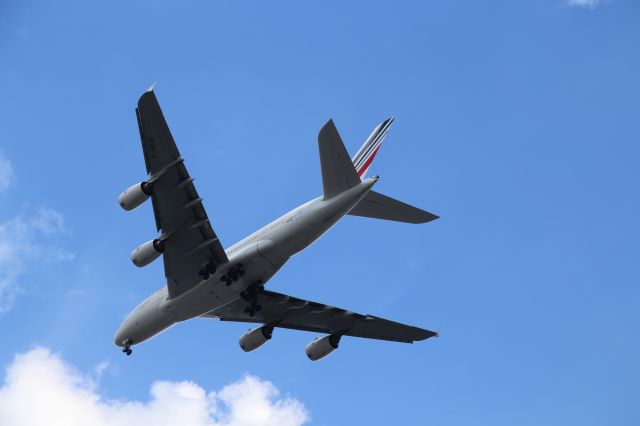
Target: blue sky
516	122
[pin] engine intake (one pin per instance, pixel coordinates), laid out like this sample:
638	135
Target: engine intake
256	337
320	348
146	253
134	196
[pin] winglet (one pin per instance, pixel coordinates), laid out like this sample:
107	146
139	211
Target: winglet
150	89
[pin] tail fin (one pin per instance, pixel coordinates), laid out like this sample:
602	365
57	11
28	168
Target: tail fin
378	206
338	173
367	152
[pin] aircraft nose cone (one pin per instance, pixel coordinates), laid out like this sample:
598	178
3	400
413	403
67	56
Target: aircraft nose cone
119	338
123	334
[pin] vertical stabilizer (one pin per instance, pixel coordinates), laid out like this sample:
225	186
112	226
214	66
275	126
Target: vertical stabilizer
367	152
338	172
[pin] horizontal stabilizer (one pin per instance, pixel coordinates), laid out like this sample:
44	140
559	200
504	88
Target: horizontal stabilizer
378	206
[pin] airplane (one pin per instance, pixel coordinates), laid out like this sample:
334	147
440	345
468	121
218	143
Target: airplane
204	280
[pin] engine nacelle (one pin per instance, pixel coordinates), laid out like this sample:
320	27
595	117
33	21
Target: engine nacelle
256	337
134	196
146	253
320	348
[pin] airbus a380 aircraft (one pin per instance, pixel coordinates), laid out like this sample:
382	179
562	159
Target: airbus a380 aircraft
205	280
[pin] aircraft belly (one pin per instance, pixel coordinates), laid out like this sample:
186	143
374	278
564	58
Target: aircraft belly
318	217
261	260
214	292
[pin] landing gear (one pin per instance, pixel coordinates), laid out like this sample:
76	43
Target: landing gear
127	347
251	293
233	274
211	267
252	309
208	270
251	296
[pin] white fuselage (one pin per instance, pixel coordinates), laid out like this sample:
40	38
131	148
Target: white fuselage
262	254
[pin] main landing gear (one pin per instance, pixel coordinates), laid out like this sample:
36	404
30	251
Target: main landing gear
208	269
251	296
127	347
233	274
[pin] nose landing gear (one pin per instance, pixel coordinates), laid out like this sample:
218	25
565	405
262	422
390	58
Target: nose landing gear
127	347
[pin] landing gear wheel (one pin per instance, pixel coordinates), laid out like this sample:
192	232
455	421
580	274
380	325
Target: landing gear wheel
258	307
126	347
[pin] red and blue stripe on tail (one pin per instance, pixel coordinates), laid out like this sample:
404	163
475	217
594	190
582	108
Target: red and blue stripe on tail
367	152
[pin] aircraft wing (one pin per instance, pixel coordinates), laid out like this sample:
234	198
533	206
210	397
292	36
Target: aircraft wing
178	210
280	310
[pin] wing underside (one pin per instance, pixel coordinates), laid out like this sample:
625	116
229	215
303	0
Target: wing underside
191	246
280	310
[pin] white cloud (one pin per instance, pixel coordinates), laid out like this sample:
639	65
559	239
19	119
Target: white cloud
25	245
48	221
583	3
41	389
6	173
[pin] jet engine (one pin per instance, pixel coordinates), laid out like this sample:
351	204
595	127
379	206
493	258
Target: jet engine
255	338
134	196
146	253
320	348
